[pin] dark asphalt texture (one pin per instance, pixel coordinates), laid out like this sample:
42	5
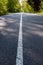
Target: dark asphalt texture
32	30
33	39
9	39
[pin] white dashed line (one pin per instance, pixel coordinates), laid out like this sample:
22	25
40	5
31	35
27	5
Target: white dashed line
19	58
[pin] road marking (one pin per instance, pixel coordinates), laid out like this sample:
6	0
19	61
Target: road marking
19	58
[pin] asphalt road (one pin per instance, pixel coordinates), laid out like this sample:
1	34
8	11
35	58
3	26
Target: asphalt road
32	39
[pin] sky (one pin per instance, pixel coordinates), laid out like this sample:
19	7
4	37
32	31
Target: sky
20	2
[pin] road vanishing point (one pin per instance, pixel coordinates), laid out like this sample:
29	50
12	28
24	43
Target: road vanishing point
21	39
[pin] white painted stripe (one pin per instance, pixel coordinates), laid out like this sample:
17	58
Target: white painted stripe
19	58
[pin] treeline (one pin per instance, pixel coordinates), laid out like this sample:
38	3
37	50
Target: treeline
34	5
9	6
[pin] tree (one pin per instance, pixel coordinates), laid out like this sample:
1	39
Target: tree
9	6
13	5
35	4
3	7
26	7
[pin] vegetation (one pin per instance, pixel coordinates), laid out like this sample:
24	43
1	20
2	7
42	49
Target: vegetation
27	7
9	6
13	6
3	7
33	6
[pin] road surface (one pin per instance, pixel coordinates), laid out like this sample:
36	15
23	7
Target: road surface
21	39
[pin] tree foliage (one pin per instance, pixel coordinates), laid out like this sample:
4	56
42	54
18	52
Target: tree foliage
9	6
26	7
36	4
3	7
13	5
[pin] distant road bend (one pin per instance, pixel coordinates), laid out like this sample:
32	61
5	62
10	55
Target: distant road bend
21	39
